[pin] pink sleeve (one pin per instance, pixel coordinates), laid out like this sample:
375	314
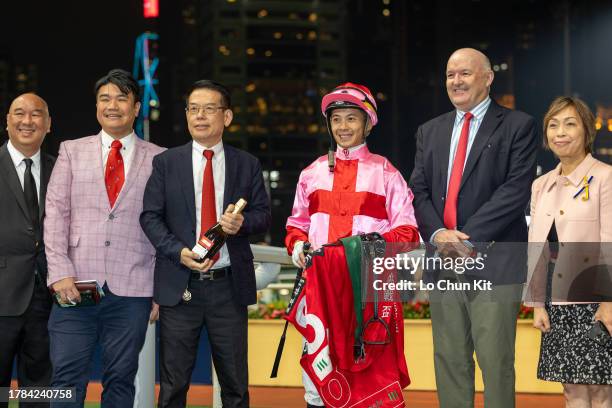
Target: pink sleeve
57	219
400	211
538	256
605	208
298	223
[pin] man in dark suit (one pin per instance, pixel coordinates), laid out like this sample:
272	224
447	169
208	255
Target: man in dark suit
191	185
473	171
25	302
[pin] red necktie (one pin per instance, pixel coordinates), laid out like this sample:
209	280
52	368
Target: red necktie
208	211
114	175
450	206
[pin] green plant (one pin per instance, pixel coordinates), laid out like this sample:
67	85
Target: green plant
412	310
525	312
268	311
416	310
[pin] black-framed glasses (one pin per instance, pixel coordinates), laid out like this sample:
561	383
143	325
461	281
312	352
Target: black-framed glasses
208	109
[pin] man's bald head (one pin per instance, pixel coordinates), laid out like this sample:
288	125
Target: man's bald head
27	123
30	96
475	55
468	78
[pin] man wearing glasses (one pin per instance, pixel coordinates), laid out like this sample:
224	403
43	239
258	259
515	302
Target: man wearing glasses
186	194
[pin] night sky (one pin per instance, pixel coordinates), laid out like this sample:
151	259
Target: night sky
73	43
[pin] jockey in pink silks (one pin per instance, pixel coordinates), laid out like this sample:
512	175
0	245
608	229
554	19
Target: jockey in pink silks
350	191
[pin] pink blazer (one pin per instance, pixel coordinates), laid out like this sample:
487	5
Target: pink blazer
576	220
87	239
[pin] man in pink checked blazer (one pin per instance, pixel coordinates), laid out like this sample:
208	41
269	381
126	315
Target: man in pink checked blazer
92	231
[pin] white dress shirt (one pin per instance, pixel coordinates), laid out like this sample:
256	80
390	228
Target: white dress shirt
127	149
20	166
218	166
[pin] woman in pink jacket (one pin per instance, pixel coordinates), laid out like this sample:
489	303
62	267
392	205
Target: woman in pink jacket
571	209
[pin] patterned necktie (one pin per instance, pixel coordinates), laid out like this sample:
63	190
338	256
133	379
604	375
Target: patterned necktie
208	210
450	206
114	176
31	196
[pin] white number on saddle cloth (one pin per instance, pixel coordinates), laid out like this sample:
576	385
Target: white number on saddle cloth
305	319
336	392
321	363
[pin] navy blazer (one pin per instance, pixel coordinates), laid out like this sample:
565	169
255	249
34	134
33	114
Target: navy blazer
495	187
169	220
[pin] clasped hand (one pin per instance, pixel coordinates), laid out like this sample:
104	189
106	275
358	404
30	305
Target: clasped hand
450	244
231	224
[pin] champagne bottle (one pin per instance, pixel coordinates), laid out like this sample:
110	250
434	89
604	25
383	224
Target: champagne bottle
211	241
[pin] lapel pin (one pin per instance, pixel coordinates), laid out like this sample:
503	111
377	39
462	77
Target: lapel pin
585	188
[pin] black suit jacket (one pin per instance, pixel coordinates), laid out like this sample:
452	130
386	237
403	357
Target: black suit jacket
495	187
21	252
169	220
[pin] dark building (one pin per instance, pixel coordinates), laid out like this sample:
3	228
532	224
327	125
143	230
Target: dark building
15	79
278	58
538	50
603	125
400	50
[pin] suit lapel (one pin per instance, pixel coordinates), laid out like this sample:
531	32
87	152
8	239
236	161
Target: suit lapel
98	169
46	166
231	168
442	145
9	173
493	117
186	179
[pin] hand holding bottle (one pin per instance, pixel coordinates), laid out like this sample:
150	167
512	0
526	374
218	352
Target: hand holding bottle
231	222
193	261
211	241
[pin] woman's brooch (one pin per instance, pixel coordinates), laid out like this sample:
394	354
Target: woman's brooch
585	188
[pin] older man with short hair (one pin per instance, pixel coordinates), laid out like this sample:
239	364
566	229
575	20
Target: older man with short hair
471	182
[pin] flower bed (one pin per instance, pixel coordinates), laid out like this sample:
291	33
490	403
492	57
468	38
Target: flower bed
269	311
412	310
